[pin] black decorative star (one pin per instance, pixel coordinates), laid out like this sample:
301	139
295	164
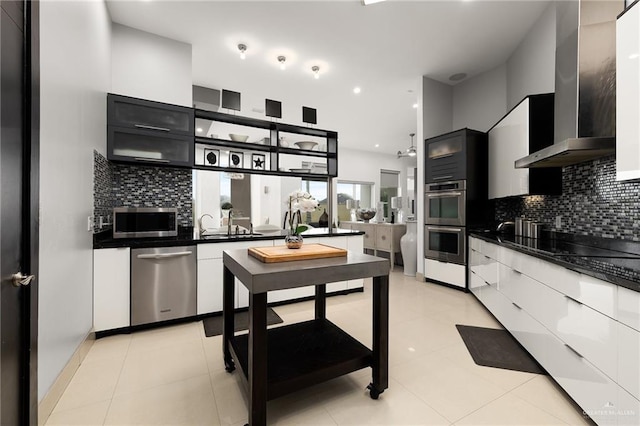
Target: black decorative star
258	163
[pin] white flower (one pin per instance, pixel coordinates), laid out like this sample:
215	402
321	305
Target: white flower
299	201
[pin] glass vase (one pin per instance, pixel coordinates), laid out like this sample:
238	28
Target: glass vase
293	241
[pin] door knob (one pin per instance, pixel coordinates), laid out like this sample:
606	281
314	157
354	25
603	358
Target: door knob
20	279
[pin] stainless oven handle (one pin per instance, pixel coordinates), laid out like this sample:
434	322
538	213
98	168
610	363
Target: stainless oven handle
439	228
155	160
443	177
445	194
144	126
164	255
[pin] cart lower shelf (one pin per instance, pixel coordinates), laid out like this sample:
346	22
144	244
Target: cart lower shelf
303	354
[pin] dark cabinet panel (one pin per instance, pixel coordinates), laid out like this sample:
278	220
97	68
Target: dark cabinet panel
141	114
147	146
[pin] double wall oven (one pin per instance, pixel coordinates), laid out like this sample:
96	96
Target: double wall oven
445	221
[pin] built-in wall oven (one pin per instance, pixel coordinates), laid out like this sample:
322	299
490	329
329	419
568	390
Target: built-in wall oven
445	243
445	220
445	203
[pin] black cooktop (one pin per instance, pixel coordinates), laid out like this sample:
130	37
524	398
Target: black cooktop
564	248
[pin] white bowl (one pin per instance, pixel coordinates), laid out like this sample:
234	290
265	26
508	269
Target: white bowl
308	145
238	138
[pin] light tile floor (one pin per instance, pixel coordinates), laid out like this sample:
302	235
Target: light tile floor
175	375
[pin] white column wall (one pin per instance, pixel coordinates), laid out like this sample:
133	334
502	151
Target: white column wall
75	69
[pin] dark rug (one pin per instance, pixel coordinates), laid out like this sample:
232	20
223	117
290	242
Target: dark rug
213	325
491	347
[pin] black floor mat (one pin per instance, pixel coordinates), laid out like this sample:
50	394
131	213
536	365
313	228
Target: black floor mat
492	347
213	325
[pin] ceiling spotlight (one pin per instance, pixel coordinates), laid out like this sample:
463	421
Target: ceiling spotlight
356	90
282	61
316	71
409	152
242	48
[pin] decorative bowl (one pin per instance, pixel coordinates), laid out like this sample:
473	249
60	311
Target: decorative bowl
238	138
366	214
308	145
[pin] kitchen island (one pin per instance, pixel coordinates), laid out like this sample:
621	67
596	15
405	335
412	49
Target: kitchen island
284	359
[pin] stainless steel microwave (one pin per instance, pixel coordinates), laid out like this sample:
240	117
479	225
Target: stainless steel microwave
140	222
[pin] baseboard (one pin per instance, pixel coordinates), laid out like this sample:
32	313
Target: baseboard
49	401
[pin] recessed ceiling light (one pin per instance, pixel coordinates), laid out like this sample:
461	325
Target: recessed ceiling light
377	145
415	105
356	90
459	76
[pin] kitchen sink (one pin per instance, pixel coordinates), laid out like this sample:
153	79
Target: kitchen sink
227	237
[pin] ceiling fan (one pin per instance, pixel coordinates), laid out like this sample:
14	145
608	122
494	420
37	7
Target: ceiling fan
409	152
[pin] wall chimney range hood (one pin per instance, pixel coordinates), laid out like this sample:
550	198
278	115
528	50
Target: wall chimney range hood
585	85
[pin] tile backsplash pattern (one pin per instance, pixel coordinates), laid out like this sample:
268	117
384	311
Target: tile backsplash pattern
592	203
144	186
102	190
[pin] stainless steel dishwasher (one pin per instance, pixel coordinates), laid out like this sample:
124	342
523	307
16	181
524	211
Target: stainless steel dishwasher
163	284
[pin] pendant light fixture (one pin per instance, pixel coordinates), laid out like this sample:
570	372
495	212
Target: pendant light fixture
282	61
409	152
242	48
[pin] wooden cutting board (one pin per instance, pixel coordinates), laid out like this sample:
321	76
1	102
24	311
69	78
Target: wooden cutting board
306	252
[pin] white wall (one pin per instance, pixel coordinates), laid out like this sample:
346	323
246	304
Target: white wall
75	76
480	102
531	67
151	67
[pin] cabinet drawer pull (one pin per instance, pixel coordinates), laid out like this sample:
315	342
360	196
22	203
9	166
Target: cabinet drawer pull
517	272
144	126
486	257
445	194
443	177
516	305
153	160
572	299
472	271
574	351
440	228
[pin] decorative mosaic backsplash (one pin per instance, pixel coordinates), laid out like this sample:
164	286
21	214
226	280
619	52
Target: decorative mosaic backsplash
592	203
125	185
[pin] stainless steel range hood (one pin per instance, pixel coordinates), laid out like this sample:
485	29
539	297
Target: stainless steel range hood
585	84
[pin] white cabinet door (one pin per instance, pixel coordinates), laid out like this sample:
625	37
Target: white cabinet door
628	95
209	286
355	244
629	307
111	288
629	359
445	272
628	409
509	141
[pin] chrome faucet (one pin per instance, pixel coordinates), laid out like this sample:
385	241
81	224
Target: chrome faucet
202	229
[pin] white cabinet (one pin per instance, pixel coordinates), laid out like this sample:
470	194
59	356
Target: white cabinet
582	330
445	272
509	141
628	95
527	128
111	300
355	243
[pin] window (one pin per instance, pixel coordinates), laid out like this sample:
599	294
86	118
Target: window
359	191
318	190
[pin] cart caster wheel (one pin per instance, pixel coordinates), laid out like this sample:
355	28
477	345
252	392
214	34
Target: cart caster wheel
373	392
229	368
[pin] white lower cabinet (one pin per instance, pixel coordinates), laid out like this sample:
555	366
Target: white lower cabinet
445	272
111	289
569	323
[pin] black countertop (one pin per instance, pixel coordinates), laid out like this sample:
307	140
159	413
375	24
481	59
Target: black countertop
615	261
187	236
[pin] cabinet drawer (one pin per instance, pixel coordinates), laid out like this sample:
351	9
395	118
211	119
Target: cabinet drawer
148	115
476	284
383	238
587	385
497	304
629	359
489	249
628	409
146	146
629	307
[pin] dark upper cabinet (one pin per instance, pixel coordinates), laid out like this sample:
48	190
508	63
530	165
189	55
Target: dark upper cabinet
142	131
458	155
124	111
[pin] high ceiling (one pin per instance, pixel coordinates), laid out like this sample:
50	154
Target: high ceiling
382	48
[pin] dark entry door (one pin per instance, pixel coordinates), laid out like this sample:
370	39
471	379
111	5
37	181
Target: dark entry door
18	212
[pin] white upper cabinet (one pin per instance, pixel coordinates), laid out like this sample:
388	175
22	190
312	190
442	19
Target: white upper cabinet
527	128
628	95
508	141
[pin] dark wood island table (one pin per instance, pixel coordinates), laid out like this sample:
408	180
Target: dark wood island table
284	359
